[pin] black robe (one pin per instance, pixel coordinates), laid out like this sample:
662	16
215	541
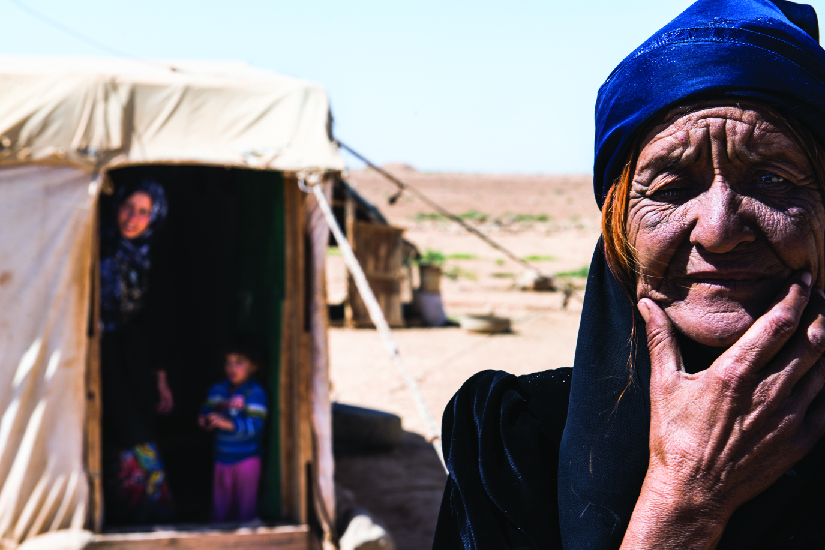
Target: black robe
529	471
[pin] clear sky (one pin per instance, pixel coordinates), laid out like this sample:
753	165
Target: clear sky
471	86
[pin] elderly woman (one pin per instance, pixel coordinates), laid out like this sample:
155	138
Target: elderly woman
133	356
696	401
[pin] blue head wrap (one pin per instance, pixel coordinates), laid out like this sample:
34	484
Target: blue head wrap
759	50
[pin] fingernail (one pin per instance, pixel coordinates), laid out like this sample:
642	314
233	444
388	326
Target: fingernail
644	309
807	278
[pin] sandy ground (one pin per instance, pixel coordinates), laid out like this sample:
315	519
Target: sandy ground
550	219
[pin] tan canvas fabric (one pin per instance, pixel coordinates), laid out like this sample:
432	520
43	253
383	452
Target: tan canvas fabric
94	112
45	257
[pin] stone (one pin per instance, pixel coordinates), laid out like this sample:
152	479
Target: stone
535	281
364	532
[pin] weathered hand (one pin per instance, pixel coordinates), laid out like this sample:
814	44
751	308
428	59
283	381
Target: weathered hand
721	436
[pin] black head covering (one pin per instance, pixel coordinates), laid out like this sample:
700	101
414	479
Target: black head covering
754	49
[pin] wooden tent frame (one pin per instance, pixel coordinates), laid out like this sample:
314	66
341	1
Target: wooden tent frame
384	266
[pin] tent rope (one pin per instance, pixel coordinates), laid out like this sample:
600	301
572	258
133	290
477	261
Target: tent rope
433	433
435	206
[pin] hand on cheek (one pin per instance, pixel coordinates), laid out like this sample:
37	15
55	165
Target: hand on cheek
721	436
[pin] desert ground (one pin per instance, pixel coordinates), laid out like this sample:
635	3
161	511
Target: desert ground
550	220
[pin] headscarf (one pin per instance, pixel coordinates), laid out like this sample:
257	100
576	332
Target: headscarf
125	263
758	50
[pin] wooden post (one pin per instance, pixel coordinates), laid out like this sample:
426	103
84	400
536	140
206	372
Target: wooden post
293	483
349	220
93	430
304	366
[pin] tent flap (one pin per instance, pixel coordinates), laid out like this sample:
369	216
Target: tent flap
45	257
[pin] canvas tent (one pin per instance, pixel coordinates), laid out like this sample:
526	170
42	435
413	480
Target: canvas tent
226	139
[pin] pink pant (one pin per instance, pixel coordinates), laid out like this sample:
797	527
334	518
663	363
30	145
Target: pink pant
235	493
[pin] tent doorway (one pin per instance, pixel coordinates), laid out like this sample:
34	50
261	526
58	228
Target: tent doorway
221	263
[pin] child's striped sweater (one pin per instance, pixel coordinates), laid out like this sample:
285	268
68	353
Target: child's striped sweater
245	406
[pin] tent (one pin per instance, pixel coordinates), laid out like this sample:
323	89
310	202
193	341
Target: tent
232	144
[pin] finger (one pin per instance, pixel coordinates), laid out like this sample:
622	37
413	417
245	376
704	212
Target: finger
770	332
665	357
805	348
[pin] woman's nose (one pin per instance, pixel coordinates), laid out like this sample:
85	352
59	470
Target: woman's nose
720	224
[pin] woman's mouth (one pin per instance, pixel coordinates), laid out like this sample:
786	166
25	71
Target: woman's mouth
734	281
727	276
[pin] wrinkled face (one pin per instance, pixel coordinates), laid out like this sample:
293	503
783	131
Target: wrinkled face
723	207
238	368
134	215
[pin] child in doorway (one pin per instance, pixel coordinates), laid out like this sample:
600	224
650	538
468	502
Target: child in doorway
236	409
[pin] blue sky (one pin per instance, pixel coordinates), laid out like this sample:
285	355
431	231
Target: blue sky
442	85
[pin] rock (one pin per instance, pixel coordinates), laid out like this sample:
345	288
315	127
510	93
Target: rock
533	280
358	528
364	532
358	429
485	324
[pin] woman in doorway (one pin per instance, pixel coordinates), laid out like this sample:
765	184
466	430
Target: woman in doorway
133	360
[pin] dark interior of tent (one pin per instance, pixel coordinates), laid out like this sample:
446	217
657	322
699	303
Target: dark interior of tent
222	252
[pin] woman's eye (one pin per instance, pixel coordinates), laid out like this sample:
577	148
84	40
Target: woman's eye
771	179
672	194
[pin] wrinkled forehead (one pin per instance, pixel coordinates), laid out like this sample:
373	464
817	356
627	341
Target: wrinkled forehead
700	114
